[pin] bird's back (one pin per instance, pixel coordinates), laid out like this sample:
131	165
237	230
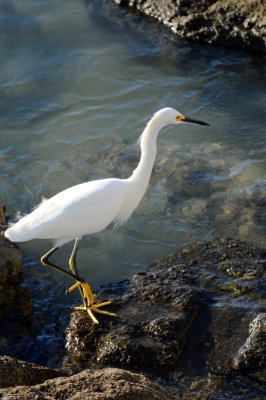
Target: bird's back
74	212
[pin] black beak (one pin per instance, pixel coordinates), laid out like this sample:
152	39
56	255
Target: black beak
195	121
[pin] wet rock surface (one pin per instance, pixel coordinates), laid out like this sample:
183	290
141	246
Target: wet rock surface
233	273
252	355
186	320
155	309
232	23
104	384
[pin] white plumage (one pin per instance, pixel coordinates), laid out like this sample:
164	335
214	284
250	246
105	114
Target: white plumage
90	207
77	211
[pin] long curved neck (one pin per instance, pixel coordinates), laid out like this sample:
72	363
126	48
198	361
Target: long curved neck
148	147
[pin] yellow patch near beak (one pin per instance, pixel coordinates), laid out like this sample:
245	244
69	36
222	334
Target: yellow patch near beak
180	117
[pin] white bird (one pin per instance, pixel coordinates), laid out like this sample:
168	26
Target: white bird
91	206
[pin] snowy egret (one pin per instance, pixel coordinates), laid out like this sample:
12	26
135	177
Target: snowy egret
91	206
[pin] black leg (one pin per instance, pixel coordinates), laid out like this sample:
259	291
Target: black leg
45	262
85	290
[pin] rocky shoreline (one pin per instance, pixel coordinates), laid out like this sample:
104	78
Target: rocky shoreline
238	24
193	325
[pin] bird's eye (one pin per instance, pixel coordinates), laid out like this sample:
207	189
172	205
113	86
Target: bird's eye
179	117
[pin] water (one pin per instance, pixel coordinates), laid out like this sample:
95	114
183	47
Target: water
78	83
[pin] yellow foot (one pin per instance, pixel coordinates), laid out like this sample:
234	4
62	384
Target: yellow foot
88	301
85	290
94	308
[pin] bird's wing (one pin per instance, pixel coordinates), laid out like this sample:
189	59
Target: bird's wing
81	209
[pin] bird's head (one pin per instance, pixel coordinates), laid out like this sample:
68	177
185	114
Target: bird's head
169	116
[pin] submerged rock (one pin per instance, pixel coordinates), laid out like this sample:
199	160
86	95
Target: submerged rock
232	23
104	384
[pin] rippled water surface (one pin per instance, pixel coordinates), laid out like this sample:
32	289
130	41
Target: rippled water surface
79	81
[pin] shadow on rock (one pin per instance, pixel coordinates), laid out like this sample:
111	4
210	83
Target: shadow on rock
15	300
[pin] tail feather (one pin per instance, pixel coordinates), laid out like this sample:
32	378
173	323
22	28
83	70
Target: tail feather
18	232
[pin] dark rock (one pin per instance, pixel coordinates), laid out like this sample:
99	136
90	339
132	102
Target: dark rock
105	384
14	372
14	299
232	23
233	273
185	320
155	313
